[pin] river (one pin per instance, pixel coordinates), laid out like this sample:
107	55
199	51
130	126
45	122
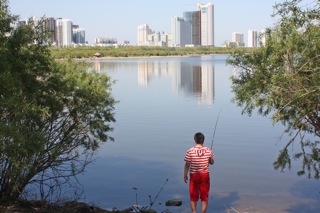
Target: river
162	103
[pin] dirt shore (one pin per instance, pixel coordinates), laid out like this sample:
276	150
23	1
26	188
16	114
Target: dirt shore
69	207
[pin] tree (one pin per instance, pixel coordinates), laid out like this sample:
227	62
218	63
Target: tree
282	78
54	115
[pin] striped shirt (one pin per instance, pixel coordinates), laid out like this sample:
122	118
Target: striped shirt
198	157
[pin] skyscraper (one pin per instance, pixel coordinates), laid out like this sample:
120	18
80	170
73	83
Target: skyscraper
263	37
143	32
194	18
51	26
63	32
207	24
252	38
79	35
238	39
181	31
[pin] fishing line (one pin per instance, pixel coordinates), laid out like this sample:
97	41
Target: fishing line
215	127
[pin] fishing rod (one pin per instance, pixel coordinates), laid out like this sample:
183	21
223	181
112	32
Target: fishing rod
215	127
152	202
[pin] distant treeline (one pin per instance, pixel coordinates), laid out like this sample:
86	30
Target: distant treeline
135	51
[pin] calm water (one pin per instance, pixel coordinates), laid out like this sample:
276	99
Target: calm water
163	102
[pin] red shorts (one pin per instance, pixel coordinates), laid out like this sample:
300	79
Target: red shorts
199	185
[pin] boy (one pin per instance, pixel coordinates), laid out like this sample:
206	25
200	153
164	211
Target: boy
197	161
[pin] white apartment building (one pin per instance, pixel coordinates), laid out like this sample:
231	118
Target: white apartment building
63	32
181	32
263	37
207	24
143	32
147	37
238	39
105	41
252	38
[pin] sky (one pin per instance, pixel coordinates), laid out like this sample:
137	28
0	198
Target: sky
120	18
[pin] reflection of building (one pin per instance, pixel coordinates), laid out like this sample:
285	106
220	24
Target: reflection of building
97	66
143	73
207	84
192	80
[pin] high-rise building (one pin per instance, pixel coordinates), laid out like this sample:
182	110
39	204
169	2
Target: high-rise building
207	24
238	39
51	26
252	38
63	36
40	28
263	37
194	18
143	32
148	37
22	23
79	35
181	31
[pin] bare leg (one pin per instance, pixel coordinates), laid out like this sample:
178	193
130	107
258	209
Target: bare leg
193	206
204	205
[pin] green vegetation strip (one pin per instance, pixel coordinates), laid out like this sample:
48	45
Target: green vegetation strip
135	51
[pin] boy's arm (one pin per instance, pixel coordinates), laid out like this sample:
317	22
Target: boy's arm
186	170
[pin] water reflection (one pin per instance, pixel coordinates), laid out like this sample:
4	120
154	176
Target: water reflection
193	80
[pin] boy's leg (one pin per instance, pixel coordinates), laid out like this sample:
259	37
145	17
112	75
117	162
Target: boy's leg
204	191
194	191
204	205
193	206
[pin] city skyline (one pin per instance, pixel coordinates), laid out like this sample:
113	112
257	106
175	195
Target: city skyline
120	20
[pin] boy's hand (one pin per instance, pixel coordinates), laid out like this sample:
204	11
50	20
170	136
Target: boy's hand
186	178
211	161
186	169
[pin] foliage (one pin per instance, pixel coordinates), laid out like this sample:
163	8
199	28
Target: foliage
54	116
282	77
133	51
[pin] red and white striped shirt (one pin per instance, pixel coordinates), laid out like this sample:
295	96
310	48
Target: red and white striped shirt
198	157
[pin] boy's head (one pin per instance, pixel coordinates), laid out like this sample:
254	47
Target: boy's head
198	138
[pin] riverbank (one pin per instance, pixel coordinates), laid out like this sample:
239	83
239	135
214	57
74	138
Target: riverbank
73	207
136	57
137	52
68	207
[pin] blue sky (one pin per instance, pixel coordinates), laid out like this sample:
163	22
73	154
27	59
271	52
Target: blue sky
119	18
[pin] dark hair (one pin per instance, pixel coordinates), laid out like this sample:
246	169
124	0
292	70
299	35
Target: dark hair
199	138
